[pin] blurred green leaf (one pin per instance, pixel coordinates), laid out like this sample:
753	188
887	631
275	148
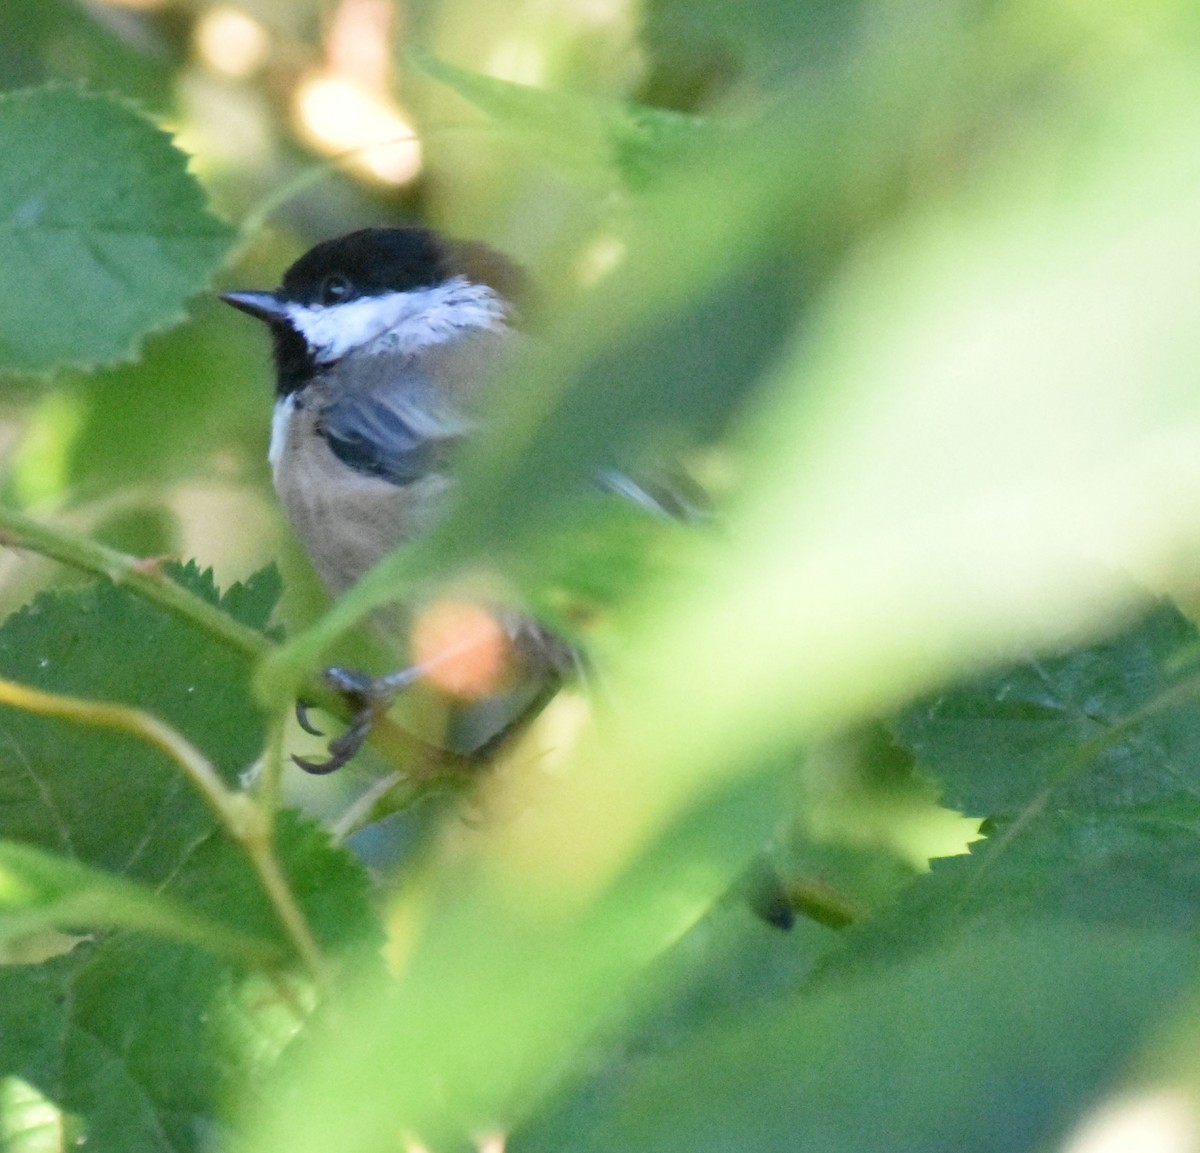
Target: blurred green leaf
110	49
552	972
699	53
139	531
723	265
996	1044
197	393
104	230
990	397
957	453
586	136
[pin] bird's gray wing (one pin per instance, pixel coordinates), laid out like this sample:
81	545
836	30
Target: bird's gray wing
400	433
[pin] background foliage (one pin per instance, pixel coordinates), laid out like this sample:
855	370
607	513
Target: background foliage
910	290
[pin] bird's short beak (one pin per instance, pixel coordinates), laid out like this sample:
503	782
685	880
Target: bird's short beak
264	305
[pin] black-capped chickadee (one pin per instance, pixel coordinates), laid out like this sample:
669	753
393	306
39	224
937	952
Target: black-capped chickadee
384	340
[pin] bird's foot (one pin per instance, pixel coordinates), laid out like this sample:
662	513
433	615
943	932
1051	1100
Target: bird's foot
369	697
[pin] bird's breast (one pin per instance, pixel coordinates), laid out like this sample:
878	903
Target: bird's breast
346	520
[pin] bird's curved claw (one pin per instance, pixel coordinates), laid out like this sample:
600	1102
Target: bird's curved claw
370	698
302	720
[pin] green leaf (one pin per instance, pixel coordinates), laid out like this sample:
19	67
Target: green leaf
150	1034
128	1037
152	1044
995	1044
40	891
102	643
1087	760
1129	870
101	226
47	40
583	135
330	885
698	52
1109	724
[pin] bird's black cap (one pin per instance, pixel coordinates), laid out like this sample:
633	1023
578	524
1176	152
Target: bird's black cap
374	261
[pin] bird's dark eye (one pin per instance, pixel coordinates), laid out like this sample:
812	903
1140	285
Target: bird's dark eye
336	288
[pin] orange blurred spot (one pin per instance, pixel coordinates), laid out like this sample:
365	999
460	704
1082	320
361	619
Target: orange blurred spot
463	648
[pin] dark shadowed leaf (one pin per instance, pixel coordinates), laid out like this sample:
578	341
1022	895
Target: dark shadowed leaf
994	1045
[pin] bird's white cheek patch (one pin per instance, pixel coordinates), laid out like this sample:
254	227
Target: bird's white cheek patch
397	321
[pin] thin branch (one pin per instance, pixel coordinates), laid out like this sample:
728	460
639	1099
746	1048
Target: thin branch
249	824
145	578
287	909
100	714
270	775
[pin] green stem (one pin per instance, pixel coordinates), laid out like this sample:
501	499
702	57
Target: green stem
146	578
287	908
269	784
248	824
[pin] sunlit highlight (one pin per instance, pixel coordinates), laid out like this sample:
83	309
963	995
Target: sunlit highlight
334	115
521	61
25	1112
599	258
1161	1122
14	890
230	42
601	12
463	648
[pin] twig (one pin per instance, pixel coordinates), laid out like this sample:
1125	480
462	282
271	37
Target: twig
248	823
145	578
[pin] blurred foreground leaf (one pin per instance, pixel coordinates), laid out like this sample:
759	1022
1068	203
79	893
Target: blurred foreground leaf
981	404
554	969
47	40
584	135
994	1044
192	395
103	230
